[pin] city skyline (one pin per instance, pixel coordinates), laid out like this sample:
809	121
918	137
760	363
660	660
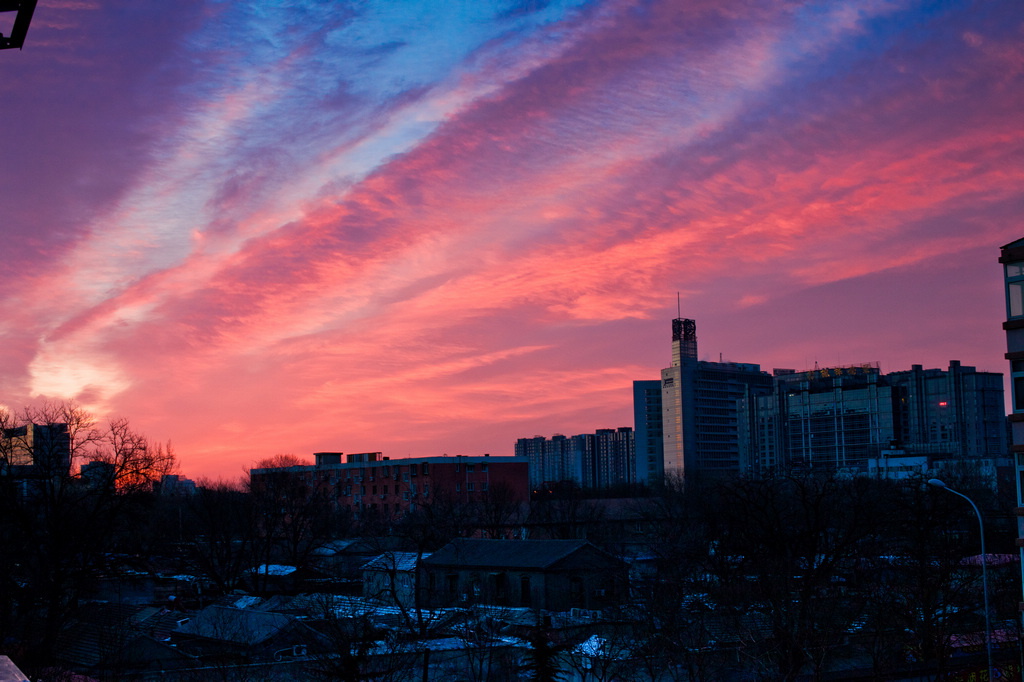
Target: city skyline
424	229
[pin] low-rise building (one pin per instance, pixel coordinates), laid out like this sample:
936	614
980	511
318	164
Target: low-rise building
371	483
554	575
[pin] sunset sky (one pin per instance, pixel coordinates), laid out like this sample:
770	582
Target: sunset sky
436	227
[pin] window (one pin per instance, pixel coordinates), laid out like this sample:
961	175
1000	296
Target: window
452	585
469	468
425	471
576	591
458	487
413	469
483	467
483	486
405	495
1015	290
405	475
525	595
385	490
469	487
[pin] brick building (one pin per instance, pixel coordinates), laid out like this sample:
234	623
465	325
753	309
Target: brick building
367	481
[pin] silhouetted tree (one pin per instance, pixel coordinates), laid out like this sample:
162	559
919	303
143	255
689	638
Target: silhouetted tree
55	525
222	524
785	548
562	512
292	512
498	512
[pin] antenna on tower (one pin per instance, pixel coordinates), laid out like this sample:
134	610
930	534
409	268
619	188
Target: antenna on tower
679	307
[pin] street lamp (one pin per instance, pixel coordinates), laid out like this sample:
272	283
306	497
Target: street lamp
937	483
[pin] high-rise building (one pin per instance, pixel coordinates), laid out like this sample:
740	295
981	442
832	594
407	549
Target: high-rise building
36	450
702	408
832	419
1012	258
31	455
552	459
959	413
839	418
615	456
648	437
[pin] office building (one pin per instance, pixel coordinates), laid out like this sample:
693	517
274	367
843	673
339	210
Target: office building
831	419
959	412
701	403
841	418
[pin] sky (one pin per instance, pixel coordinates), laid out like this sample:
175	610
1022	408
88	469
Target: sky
428	228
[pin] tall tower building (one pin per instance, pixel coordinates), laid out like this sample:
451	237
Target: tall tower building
677	382
704	415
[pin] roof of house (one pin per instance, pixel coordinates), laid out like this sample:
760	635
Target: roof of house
404	562
471	552
242	626
101	631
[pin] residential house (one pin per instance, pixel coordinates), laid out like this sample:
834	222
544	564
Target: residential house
554	575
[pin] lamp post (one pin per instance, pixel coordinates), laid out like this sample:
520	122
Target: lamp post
937	483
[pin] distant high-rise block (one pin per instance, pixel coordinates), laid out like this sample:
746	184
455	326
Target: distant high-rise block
648	436
591	460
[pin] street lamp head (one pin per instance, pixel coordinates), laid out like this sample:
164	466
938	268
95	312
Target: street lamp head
936	483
